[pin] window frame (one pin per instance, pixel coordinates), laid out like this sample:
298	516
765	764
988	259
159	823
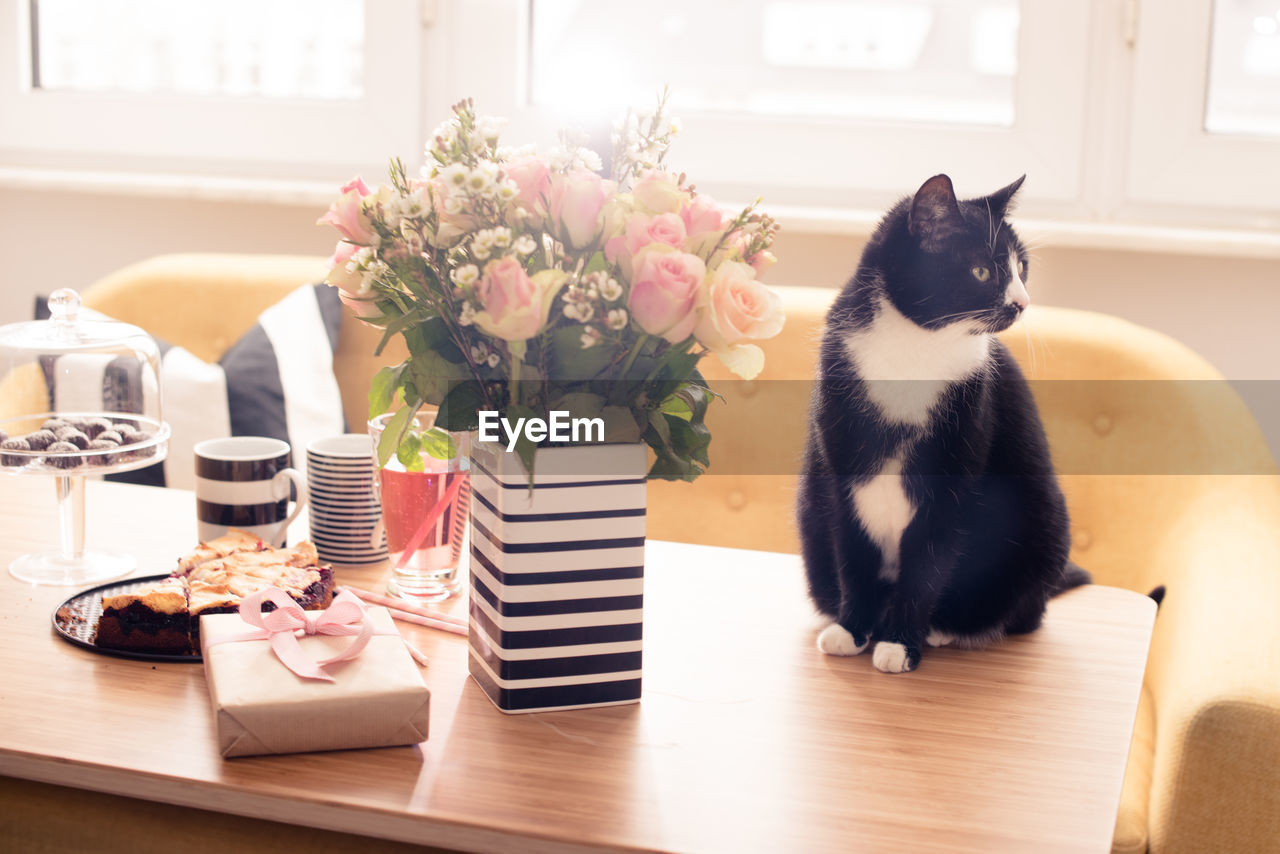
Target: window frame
1171	159
278	138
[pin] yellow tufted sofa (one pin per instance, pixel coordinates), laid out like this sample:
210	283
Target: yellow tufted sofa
1168	479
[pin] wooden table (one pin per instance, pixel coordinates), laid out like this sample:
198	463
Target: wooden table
747	739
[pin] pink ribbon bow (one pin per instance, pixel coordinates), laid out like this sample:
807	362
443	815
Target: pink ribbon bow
283	626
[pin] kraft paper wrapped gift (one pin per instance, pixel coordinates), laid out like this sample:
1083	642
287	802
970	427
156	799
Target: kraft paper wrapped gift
376	699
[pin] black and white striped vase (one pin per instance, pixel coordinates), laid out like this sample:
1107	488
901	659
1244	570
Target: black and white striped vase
557	576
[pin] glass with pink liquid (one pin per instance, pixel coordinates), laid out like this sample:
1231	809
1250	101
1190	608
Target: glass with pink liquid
425	508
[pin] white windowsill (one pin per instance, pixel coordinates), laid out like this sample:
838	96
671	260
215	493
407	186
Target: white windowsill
794	219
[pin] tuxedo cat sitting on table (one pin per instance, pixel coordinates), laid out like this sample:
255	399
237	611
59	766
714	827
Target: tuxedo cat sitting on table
929	511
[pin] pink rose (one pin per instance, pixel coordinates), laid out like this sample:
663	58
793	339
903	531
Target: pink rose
339	276
736	308
363	307
452	220
701	214
532	176
350	284
658	192
346	215
667	229
576	200
761	261
516	304
642	230
664	292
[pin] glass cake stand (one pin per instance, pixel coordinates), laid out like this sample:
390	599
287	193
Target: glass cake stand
79	397
72	563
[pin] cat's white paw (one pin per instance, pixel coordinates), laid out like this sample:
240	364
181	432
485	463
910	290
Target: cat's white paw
836	640
937	638
890	657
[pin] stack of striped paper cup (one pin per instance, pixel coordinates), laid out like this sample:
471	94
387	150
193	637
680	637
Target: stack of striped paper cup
345	514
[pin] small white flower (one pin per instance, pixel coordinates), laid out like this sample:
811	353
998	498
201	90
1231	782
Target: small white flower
617	319
489	127
611	290
493	360
590	337
465	275
454	175
451	206
467	314
502	237
412	237
414	205
559	160
524	245
478	353
508	190
579	311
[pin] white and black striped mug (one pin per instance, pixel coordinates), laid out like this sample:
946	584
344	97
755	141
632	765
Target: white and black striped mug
243	482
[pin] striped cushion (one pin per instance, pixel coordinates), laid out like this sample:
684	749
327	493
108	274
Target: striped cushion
276	381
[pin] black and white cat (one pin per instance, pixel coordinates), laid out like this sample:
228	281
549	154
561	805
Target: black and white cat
929	510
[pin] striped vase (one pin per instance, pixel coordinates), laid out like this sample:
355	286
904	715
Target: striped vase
557	576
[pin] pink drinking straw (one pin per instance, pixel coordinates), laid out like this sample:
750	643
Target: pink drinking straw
419	535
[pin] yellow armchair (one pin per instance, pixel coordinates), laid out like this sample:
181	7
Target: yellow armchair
1168	479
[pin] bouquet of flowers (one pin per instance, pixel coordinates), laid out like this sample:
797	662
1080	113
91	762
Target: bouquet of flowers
525	283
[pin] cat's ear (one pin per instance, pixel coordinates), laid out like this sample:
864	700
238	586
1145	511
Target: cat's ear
935	213
1001	201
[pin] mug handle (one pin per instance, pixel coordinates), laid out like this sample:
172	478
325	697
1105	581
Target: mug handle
278	483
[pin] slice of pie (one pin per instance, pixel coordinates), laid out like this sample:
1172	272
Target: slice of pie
234	541
212	579
154	618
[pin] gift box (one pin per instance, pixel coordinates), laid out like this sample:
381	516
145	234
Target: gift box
288	681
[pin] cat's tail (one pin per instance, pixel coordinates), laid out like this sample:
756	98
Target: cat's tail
1074	576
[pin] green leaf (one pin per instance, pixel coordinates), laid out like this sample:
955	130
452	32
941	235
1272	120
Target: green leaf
434	376
571	361
658	424
620	425
398	325
439	444
689	439
671	468
579	404
597	263
677	406
382	391
410	452
459	410
393	434
433	335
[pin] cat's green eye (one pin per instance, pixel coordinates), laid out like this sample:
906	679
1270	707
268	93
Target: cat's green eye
981	273
1022	270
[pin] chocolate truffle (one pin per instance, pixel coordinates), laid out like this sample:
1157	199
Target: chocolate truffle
66	455
15	444
40	439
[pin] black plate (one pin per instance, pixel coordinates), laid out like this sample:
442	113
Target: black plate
76	619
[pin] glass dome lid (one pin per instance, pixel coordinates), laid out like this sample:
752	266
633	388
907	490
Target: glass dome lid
78	392
79	396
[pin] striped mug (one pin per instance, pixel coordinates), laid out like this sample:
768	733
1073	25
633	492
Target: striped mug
243	482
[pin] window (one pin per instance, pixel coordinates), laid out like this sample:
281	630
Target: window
278	88
1141	111
811	102
1206	110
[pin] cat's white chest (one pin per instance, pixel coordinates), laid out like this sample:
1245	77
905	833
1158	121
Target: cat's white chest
884	510
907	367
